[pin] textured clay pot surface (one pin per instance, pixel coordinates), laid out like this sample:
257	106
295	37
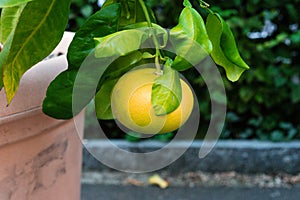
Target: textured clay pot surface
40	157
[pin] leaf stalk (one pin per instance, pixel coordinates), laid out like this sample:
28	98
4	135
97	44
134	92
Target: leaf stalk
153	35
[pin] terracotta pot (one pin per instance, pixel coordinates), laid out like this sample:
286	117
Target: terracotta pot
40	157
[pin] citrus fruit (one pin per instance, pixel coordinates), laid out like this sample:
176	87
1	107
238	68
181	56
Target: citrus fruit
131	104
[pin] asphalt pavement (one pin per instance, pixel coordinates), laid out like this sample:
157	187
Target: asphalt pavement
129	192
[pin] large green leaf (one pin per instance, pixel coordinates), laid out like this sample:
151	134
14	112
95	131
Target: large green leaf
11	3
119	43
39	29
100	24
58	101
111	75
74	89
102	100
189	39
81	52
166	91
225	52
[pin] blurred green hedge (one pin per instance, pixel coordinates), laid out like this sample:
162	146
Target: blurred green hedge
265	103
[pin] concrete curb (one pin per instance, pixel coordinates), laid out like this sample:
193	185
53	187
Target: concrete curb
116	192
239	156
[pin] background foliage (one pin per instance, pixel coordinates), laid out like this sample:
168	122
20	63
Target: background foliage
265	103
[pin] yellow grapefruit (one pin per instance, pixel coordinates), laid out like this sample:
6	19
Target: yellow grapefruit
131	104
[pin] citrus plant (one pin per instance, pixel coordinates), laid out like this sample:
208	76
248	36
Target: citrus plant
122	35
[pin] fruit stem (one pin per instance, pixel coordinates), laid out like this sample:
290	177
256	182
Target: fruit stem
153	34
158	71
203	4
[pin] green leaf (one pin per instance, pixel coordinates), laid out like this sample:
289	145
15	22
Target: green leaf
147	55
114	71
119	43
109	78
160	33
11	3
102	23
58	101
187	3
110	2
225	52
34	37
166	91
64	99
73	89
189	39
3	56
120	66
9	19
102	100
